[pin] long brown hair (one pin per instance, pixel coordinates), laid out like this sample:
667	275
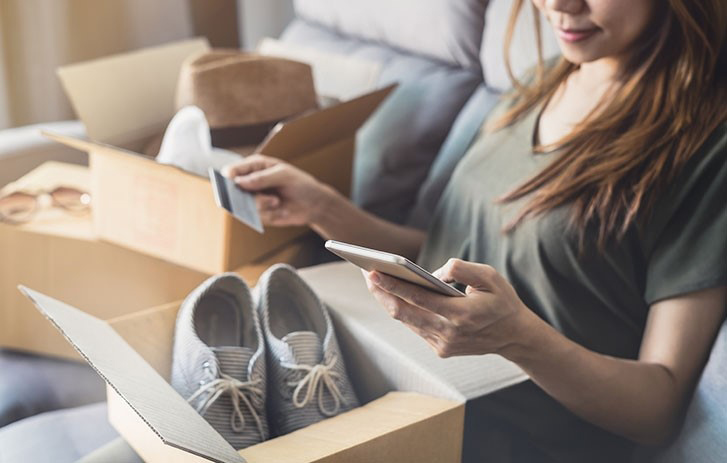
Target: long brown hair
614	165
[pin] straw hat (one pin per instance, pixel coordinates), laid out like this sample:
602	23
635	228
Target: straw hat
238	89
242	95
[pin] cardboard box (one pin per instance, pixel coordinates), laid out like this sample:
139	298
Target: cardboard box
59	253
423	424
167	213
133	355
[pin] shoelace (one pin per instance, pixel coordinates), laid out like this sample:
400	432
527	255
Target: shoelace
237	390
316	375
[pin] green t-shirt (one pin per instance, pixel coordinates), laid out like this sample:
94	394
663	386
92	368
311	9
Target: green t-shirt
600	300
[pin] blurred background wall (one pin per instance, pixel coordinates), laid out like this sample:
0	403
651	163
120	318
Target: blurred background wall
37	36
262	18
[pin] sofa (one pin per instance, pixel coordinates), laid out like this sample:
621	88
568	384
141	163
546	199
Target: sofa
447	57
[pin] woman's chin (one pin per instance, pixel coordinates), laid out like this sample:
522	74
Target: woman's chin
579	54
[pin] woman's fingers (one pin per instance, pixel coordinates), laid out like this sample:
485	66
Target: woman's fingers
248	165
476	324
477	276
407	313
275	217
415	295
266	202
269	177
433	328
433	339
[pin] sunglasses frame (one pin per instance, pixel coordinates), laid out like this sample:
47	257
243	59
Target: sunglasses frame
38	194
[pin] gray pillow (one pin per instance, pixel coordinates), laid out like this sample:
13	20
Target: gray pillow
398	144
116	451
703	436
523	54
62	436
450	31
464	131
32	384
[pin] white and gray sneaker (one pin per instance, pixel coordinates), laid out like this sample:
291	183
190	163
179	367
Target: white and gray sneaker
219	359
307	379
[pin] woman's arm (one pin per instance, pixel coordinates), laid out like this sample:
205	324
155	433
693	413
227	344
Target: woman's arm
340	219
642	399
288	196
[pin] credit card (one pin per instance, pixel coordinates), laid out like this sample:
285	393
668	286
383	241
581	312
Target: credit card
239	203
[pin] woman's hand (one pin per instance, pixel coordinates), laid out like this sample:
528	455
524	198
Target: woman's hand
285	195
489	319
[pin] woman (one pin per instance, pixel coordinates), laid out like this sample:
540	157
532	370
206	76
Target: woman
588	224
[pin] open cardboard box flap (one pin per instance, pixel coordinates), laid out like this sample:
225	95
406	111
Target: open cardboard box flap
395	352
155	401
322	127
130	94
157	209
287	141
88	145
162	427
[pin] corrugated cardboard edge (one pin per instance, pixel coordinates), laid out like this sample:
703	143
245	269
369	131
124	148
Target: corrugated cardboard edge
141	437
31	295
86	359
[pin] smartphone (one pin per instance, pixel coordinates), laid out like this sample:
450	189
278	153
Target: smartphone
391	264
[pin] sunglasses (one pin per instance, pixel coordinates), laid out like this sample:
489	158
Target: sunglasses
21	206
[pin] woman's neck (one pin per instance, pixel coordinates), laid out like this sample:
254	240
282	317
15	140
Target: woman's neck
598	76
576	98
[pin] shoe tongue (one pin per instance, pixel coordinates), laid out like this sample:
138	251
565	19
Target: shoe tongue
234	361
306	347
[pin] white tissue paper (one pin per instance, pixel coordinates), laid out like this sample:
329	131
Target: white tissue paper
187	144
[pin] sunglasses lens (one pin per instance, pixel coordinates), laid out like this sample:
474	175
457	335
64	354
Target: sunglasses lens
70	198
17	207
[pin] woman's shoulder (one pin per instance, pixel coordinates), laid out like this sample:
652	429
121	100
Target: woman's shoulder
699	186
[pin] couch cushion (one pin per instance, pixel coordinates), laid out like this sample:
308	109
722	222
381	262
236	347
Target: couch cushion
62	436
450	31
703	438
23	148
398	144
116	451
463	133
31	384
523	53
